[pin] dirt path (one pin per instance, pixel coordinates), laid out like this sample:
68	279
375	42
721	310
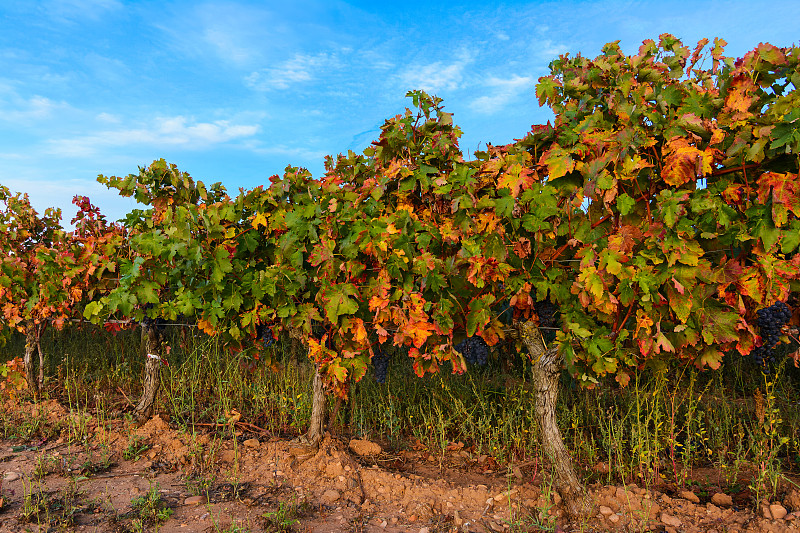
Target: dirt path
155	478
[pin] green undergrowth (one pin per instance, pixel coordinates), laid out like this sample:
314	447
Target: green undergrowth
736	422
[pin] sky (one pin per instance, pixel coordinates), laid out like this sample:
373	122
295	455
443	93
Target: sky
234	91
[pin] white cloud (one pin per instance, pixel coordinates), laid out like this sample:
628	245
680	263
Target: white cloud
178	131
237	34
436	76
24	111
109	118
504	91
294	152
551	50
301	68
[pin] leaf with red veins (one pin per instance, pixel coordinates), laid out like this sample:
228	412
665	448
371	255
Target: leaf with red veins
558	161
517	179
684	162
741	94
662	343
784	190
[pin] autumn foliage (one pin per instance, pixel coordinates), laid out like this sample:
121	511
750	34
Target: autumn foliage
658	211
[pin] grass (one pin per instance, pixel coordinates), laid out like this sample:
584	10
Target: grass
149	510
284	518
666	422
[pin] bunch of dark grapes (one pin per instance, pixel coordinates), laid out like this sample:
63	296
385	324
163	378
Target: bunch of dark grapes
548	318
548	313
265	335
158	324
380	363
474	349
770	321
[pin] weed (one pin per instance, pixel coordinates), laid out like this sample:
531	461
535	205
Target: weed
136	447
48	464
768	442
283	518
149	509
34	502
97	465
198	484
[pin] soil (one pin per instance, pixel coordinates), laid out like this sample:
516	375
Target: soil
91	477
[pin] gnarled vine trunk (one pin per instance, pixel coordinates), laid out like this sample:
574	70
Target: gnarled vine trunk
33	343
316	426
319	402
151	346
546	373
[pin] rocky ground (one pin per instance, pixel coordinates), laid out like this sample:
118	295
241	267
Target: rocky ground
155	478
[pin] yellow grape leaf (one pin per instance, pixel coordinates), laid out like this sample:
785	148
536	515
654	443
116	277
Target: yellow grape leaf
259	220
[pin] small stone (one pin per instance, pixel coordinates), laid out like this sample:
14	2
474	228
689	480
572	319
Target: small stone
713	511
793	500
330	496
425	530
689	495
765	512
778	511
10	476
495	526
195	500
669	520
614	518
251	443
365	447
457	521
606	511
227	456
721	499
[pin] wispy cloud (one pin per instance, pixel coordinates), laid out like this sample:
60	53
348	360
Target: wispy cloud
178	131
301	68
80	10
503	92
294	152
233	33
24	111
437	76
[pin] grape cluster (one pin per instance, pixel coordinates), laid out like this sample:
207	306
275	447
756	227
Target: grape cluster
156	323
770	321
474	349
548	313
265	335
380	363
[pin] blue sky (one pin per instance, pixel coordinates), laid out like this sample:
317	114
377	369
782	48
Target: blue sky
234	91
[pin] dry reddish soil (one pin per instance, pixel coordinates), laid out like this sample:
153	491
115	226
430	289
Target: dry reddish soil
216	484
